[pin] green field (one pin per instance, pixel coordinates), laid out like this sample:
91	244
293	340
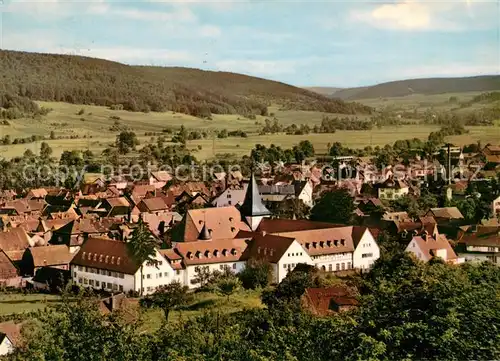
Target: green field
19	303
203	302
95	123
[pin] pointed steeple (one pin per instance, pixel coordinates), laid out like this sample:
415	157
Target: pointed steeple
252	205
204	234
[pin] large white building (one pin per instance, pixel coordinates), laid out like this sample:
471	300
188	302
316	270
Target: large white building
105	264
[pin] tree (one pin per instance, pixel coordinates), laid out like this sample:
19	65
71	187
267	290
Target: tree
126	141
45	151
335	207
142	247
256	274
226	286
169	297
71	158
202	276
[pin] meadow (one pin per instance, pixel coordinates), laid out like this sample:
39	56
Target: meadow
17	303
94	127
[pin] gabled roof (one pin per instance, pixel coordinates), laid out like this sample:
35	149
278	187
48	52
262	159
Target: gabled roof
252	205
12	331
7	269
429	245
483	236
108	254
51	255
268	247
447	212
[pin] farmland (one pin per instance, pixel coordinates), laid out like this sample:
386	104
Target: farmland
91	127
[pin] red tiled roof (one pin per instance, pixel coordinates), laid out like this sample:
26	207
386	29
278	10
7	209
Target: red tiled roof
215	251
106	254
7	269
485	236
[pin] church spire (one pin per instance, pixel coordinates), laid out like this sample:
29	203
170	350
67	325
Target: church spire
204	234
252	205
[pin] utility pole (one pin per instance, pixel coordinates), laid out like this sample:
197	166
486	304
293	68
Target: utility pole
449	163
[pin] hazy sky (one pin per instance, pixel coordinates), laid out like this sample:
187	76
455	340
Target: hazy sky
331	43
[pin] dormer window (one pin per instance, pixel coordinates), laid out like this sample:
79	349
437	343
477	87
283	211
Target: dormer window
118	260
83	255
336	243
233	252
95	257
216	253
207	254
199	255
258	250
107	259
328	243
90	256
101	257
231	219
189	255
342	242
113	260
224	252
315	244
321	244
307	245
265	251
233	229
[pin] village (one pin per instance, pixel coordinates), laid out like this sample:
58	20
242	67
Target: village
52	237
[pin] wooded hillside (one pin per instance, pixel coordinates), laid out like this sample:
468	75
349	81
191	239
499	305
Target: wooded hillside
83	80
427	86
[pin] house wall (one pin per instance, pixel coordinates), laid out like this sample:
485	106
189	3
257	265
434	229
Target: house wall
482	249
306	195
390	193
154	276
6	347
230	197
478	257
334	262
99	279
294	255
190	272
415	249
496	206
366	252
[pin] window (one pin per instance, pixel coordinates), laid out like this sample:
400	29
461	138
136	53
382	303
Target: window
121	288
301	253
149	289
330	267
366	255
221	267
143	277
348	265
85	281
165	274
79	268
115	287
74	274
289	255
160	263
97	284
234	265
80	280
109	273
337	267
109	286
178	272
91	282
229	202
343	266
228	196
284	265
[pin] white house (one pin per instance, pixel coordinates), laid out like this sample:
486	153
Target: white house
495	207
283	253
392	189
479	243
214	254
427	246
230	197
366	250
6	345
106	264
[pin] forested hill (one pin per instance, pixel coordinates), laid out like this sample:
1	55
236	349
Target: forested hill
422	86
84	80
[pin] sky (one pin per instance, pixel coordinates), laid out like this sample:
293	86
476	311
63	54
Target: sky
304	43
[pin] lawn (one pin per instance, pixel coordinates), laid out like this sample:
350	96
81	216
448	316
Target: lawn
203	302
19	303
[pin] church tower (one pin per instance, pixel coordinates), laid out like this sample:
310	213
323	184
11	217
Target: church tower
252	209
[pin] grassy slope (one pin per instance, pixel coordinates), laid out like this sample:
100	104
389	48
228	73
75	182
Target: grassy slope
427	86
